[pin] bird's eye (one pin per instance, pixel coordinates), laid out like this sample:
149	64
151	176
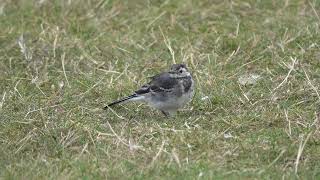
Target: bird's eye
180	71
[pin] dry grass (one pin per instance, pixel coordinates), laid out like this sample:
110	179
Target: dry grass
62	61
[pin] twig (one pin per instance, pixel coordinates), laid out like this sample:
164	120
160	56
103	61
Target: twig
234	52
300	150
314	10
168	44
16	89
244	94
176	157
55	45
89	89
158	154
124	50
24	49
120	117
3	99
273	162
64	71
24	140
118	137
289	122
40	109
286	78
312	86
155	19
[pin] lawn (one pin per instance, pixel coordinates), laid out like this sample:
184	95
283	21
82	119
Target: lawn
255	113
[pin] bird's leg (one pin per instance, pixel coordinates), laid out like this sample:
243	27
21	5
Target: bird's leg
165	113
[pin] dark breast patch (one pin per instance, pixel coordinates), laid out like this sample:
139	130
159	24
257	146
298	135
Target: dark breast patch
187	84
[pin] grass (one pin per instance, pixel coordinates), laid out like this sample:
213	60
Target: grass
62	61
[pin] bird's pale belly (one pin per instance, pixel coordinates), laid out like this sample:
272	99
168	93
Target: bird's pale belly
172	104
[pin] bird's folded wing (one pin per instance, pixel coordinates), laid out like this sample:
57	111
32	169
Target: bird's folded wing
143	90
159	83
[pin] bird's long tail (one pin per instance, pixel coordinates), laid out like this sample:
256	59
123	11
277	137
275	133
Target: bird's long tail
121	100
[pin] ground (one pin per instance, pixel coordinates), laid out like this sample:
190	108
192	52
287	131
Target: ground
255	114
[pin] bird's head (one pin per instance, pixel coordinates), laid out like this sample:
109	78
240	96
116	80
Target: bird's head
179	71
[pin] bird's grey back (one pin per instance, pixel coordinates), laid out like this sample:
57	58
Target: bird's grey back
163	81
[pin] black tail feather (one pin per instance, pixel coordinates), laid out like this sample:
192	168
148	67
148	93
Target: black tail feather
120	100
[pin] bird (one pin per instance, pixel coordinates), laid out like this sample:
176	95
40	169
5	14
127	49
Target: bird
167	91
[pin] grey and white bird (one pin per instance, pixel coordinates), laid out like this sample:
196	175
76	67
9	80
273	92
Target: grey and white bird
167	91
